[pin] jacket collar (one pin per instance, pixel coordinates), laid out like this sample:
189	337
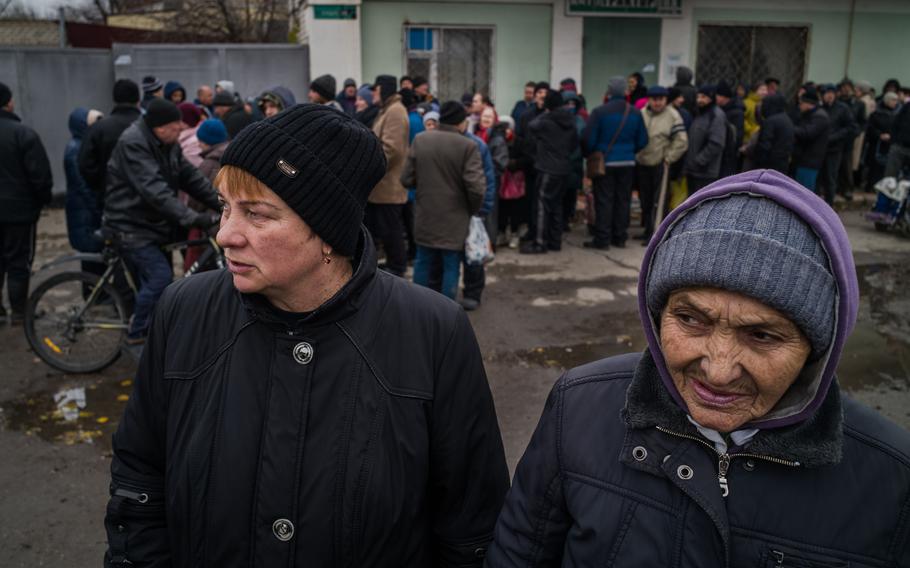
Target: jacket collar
814	442
9	115
343	304
126	109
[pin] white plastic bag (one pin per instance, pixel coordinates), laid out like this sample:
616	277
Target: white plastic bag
893	189
477	247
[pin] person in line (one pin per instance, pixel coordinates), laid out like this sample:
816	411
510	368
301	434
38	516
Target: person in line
636	89
232	112
275	100
733	109
83	214
422	92
191	116
385	206
878	139
445	168
667	143
840	140
849	170
25	189
322	92
752	115
728	441
899	151
174	92
617	131
152	88
525	102
556	135
213	141
332	414
575	179
568	85
141	207
431	120
526	149
811	133
776	138
347	98
405	82
773	85
688	91
99	140
707	142
366	110
204	97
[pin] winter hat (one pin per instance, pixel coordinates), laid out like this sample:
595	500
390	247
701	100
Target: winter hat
724	90
452	113
467	99
388	86
161	112
171	87
673	93
658	91
890	97
321	162
6	95
754	246
366	93
433	115
553	101
212	131
568	84
616	86
226	85
707	90
349	83
223	99
325	86
150	84
190	114
810	96
828	88
126	92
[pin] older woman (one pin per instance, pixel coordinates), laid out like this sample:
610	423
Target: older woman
302	408
727	443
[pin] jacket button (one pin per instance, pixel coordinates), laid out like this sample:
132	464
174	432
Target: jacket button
283	530
684	472
480	552
749	465
639	453
303	353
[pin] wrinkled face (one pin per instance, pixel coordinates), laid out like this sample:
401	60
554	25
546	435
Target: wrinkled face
270	250
828	97
270	109
477	104
487	117
657	104
731	357
703	100
170	132
529	93
762	91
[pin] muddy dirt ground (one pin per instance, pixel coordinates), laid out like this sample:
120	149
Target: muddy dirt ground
540	316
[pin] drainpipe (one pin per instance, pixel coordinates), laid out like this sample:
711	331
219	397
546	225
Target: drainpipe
849	37
62	17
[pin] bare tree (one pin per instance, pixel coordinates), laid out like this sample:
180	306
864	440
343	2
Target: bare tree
237	21
12	10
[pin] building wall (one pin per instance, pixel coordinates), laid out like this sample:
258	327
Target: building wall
522	38
618	46
335	44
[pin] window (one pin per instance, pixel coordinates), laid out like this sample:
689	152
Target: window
455	60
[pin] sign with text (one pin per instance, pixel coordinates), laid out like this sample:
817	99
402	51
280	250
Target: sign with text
335	11
620	8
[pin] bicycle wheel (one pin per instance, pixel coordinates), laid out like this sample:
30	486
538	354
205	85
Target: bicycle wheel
74	328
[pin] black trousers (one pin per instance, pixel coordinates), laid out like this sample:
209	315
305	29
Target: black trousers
386	223
512	213
408	219
531	194
17	250
474	279
827	177
612	200
649	179
548	228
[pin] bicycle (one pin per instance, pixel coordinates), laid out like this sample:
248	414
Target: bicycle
77	322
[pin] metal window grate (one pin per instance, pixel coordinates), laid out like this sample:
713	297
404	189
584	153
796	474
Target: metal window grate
749	54
455	60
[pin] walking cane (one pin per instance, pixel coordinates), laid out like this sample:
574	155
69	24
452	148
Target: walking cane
663	195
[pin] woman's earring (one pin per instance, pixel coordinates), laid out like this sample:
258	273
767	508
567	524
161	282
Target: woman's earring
327	259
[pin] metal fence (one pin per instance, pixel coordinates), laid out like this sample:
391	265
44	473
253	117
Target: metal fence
749	54
48	83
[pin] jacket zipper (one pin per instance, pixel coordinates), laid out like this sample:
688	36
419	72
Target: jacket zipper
723	459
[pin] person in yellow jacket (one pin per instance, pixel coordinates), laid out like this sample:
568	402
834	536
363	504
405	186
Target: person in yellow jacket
753	113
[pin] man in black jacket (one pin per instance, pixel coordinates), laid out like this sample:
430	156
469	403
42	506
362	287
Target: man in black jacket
776	137
232	113
25	187
840	141
847	95
899	152
557	137
145	171
811	139
525	153
100	139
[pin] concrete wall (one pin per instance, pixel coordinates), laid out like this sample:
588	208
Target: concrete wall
521	41
618	46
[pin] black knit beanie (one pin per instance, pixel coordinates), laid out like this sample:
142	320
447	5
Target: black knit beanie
161	112
320	161
388	86
553	100
126	92
325	86
6	95
452	112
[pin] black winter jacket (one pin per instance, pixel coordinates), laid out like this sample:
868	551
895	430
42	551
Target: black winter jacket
236	120
362	434
603	485
776	137
879	123
735	111
25	172
843	127
98	145
900	127
707	140
143	177
811	139
556	136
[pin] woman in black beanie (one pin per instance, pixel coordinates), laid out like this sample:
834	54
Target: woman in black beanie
301	407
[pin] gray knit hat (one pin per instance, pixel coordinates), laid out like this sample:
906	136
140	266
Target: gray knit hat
753	246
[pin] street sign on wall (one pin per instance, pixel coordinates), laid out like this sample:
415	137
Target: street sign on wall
620	8
335	11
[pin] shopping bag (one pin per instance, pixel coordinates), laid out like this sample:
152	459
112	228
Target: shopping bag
512	185
477	247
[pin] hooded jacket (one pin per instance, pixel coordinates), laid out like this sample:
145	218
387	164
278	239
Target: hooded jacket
686	88
282	96
360	434
776	137
557	138
25	172
172	87
615	474
811	133
83	215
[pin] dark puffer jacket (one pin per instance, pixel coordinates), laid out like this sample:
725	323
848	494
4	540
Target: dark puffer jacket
361	435
843	127
25	172
811	139
776	137
83	215
142	181
98	145
557	138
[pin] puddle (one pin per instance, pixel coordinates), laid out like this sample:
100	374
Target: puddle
80	412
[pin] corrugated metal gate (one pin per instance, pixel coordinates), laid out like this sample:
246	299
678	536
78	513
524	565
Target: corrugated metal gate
454	59
750	54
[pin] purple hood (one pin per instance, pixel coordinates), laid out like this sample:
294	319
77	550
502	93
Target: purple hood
827	225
